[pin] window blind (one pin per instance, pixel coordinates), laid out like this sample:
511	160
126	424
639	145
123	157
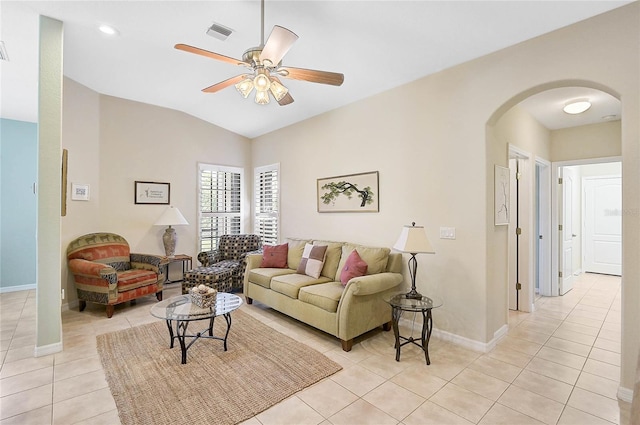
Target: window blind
220	206
267	203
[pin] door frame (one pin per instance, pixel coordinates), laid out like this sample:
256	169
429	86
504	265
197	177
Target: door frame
526	259
555	240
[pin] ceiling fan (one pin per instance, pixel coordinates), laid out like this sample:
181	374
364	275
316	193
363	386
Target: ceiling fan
265	62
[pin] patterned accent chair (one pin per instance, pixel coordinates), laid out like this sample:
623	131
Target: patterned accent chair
231	254
106	272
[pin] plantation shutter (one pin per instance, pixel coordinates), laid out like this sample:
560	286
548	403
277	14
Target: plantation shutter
267	203
220	204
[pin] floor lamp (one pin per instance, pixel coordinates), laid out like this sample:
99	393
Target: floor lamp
413	240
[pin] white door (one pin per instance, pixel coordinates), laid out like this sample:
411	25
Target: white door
603	225
567	233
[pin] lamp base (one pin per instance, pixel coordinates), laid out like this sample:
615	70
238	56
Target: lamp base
169	239
413	295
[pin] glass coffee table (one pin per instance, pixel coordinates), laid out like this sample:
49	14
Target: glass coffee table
181	311
400	304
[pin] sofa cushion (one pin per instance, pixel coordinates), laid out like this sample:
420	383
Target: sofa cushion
354	267
275	256
294	255
262	276
326	295
312	260
332	257
290	284
376	258
135	278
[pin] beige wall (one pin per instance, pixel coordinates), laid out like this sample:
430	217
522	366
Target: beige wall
586	142
112	143
434	144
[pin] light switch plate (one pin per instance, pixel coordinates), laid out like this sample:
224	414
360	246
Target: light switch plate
447	233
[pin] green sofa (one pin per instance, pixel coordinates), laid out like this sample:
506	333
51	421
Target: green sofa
344	311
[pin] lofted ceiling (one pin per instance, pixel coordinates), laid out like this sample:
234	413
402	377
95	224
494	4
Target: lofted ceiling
378	45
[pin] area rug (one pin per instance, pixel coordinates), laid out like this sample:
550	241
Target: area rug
261	368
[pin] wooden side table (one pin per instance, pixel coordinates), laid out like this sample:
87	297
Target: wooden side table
400	304
186	265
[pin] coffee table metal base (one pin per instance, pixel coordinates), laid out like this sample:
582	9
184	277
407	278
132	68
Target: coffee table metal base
181	334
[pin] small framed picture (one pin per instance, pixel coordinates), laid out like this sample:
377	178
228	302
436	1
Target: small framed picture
79	192
152	193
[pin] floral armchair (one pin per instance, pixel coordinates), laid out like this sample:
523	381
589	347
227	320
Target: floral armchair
106	272
231	254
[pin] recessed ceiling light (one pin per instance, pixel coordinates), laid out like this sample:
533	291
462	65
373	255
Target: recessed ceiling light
108	29
577	106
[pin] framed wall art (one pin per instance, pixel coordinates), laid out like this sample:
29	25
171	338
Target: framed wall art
350	193
79	192
152	193
501	196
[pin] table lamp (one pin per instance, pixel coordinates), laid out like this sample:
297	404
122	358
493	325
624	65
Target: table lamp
413	240
170	217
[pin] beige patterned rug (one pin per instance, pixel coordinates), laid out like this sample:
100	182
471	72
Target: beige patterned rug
261	368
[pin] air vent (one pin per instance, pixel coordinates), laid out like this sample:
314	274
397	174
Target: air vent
3	52
219	31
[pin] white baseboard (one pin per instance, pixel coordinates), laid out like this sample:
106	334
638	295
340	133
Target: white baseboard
17	288
470	343
625	394
70	305
45	350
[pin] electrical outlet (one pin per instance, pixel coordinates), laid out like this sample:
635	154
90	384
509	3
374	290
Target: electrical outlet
63	294
447	233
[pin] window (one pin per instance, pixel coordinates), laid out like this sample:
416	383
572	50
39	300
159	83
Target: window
220	206
267	203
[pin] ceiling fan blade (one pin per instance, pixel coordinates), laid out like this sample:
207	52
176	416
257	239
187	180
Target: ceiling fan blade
287	99
212	55
311	75
278	44
224	84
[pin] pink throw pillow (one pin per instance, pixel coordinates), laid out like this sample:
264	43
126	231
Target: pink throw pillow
354	267
275	256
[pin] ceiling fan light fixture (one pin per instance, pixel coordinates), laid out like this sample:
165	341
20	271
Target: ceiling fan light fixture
278	90
262	97
262	82
245	86
577	106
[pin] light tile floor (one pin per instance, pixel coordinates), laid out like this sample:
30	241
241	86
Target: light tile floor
559	365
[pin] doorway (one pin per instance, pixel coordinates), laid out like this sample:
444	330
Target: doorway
588	216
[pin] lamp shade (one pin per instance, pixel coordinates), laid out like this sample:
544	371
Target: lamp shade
413	240
171	217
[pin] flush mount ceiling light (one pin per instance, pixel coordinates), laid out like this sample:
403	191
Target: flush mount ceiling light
577	106
107	29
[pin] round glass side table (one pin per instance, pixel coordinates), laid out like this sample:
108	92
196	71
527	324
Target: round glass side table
400	304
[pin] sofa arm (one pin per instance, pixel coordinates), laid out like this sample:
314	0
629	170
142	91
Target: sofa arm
148	261
207	258
92	269
374	283
253	260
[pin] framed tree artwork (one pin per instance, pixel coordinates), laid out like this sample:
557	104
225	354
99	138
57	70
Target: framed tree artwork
350	193
501	196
